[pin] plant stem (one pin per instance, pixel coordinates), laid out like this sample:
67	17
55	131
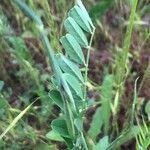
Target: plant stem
84	141
131	123
58	73
63	86
85	80
121	73
86	69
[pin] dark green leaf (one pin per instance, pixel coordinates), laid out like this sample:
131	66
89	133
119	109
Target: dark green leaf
69	143
59	126
100	8
56	97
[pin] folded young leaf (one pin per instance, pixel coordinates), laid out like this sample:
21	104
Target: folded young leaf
68	66
80	17
73	49
73	28
80	4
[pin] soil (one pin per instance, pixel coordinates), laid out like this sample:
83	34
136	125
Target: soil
100	58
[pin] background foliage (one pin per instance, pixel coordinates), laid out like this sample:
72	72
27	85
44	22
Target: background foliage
118	111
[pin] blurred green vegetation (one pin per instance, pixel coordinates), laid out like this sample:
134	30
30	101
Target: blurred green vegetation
26	76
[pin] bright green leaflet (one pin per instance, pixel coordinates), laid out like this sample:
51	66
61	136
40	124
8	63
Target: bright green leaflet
69	67
73	28
77	14
73	49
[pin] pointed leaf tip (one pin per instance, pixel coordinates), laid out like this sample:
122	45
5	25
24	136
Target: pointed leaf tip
80	17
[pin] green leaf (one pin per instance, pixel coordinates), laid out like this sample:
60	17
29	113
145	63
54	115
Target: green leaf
69	143
103	114
69	67
1	85
75	88
106	99
73	28
80	17
80	4
74	84
79	124
59	125
56	97
96	124
102	144
69	118
73	49
147	109
53	135
16	119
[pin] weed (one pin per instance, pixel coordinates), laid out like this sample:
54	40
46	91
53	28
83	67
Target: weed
48	99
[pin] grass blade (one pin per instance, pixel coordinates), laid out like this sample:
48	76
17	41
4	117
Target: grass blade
14	122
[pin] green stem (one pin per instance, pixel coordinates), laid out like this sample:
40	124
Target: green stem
84	141
133	104
122	64
86	69
58	73
85	84
63	86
